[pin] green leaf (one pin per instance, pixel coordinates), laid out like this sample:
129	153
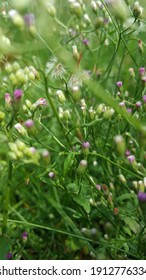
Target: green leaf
68	163
73	188
83	201
4	247
132	224
125	196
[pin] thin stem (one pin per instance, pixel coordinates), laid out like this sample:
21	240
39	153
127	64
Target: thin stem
7	198
55	110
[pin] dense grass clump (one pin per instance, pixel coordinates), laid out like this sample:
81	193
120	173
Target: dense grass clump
72	129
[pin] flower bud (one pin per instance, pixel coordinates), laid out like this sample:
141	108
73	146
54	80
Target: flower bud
20	129
100	109
8	67
137	10
94	7
15	66
108	114
82	166
51	10
76	93
99	21
25	236
120	144
91	113
8	102
76	54
61	96
85	148
28	103
2	116
76	9
118	8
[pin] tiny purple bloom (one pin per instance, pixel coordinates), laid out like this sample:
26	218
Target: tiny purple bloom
141	196
29	123
25	235
119	84
127	153
18	95
86	42
131	158
98	187
142	71
129	110
9	256
29	19
85	145
144	98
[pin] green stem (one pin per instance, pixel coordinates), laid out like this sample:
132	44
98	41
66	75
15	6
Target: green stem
55	110
7	198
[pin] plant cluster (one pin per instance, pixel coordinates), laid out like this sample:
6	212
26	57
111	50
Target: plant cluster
72	129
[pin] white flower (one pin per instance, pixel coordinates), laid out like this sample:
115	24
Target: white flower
55	69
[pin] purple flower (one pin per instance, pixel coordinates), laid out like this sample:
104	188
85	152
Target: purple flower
127	153
25	236
119	84
29	19
144	98
142	71
98	187
131	158
141	196
85	145
18	95
29	123
129	110
9	256
86	42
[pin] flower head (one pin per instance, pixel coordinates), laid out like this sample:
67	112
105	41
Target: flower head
119	84
131	158
144	98
24	236
18	95
29	123
41	102
29	19
141	196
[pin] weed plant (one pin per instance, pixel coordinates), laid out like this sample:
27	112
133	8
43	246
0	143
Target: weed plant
72	129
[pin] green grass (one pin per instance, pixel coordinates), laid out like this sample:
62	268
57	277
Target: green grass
73	179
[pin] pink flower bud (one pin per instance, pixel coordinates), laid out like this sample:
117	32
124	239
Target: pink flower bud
29	123
41	102
119	84
142	71
144	98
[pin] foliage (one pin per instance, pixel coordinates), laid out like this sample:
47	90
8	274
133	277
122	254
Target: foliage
72	129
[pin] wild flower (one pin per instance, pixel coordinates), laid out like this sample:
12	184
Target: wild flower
55	69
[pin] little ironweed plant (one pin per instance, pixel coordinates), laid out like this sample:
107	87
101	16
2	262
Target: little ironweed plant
72	129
